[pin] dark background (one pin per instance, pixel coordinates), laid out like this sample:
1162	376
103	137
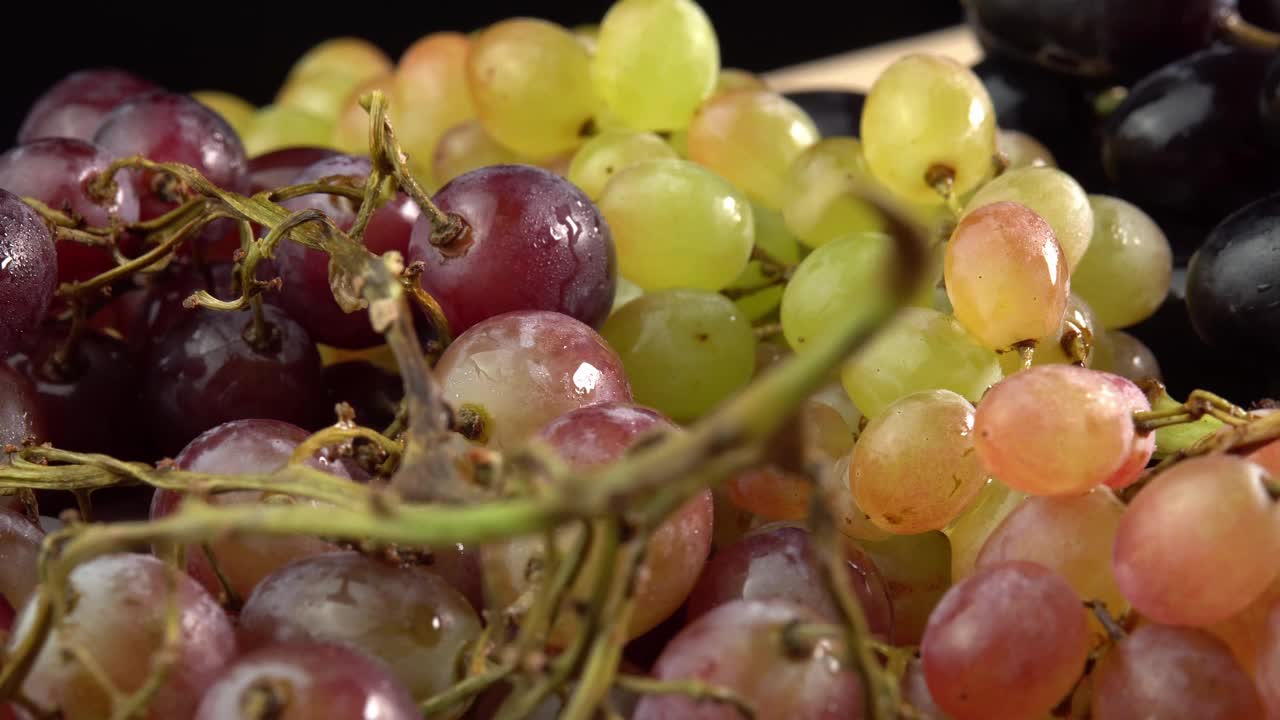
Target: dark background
247	48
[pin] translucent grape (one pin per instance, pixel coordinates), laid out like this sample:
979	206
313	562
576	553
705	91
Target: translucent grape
655	62
512	67
1020	150
921	349
1005	275
610	152
969	533
685	351
849	277
276	127
917	570
432	92
1051	194
677	225
28	273
237	111
1199	543
820	204
1009	641
74	106
928	120
323	78
466	147
1116	351
1126	272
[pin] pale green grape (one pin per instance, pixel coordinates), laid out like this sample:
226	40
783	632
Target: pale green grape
464	148
610	152
1054	196
625	292
281	126
821	202
676	224
237	111
323	78
928	119
772	238
751	137
766	297
1126	272
531	86
1020	150
921	349
849	277
655	62
685	351
969	532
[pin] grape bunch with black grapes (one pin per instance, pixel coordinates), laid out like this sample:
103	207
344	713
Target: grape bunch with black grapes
677	397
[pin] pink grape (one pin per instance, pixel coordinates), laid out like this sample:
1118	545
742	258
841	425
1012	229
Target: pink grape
1144	444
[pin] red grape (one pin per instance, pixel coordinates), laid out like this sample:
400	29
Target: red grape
161	308
278	168
75	105
20	414
601	433
536	242
19	552
915	691
28	270
1144	444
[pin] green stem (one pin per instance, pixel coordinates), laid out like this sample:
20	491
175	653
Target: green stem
694	689
462	690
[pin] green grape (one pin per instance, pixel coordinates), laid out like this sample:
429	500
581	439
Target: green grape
323	78
1054	196
751	138
767	294
514	68
928	122
676	224
773	237
969	532
679	141
1020	150
1126	272
610	152
685	351
821	204
465	148
849	277
917	572
922	349
731	79
625	292
655	62
774	240
237	111
281	126
588	34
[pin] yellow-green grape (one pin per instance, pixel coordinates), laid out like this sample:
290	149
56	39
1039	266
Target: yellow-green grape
465	148
1054	195
773	237
588	34
322	79
625	292
928	124
751	137
921	349
237	111
731	79
970	531
757	292
612	151
432	95
1020	150
821	202
851	277
280	126
679	141
656	61
351	132
1078	333
1126	272
676	224
530	83
774	240
685	351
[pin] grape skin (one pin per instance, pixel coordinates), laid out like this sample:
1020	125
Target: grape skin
28	274
1126	273
1051	194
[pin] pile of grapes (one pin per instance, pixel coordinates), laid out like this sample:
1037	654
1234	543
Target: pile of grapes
561	373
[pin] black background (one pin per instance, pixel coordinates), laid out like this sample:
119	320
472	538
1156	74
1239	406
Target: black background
247	49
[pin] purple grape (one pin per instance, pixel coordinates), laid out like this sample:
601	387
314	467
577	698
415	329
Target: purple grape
536	242
374	393
161	309
75	105
279	167
21	416
28	270
306	294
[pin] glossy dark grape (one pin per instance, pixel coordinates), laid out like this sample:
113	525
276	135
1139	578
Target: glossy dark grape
835	112
28	270
57	172
75	105
205	373
536	242
279	167
306	294
1188	138
1270	103
161	309
20	414
372	392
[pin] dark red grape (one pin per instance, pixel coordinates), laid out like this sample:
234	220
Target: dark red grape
306	294
57	172
161	309
21	416
374	393
28	270
279	167
206	372
309	681
601	433
75	105
835	112
536	242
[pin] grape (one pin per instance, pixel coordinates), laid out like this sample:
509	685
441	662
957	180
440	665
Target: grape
19	557
835	112
771	493
1077	332
626	292
373	392
969	533
850	519
351	130
610	152
1144	444
161	310
685	351
1232	293
521	370
730	79
927	119
467	147
1265	633
1008	641
739	646
1199	543
774	239
915	693
431	88
75	105
852	276
21	415
118	619
1247	633
1020	150
1055	429
1116	351
914	468
325	75
1125	274
779	562
306	294
206	372
277	168
820	206
599	434
775	129
535	242
28	271
57	171
512	67
677	225
917	572
655	62
1006	275
921	349
237	111
1162	671
1053	195
277	127
408	618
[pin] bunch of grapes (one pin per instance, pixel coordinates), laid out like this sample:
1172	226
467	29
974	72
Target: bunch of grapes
556	372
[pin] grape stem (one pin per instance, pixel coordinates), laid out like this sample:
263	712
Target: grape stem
694	689
1108	623
1198	404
